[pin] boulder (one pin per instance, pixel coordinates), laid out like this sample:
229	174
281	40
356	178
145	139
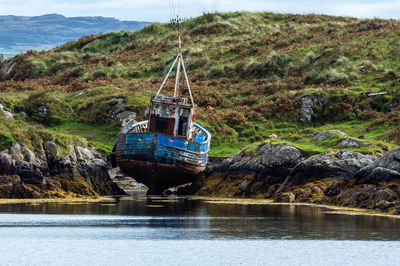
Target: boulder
345	142
391	107
5	113
23	114
386	169
51	151
118	111
8	67
331	164
306	110
273	160
279	159
42	110
125	115
349	142
117	107
287	197
326	134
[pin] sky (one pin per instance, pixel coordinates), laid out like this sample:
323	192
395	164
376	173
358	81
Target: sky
162	10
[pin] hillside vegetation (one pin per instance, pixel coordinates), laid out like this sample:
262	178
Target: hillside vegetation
249	73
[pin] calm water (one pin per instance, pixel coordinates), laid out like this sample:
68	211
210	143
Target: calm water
179	231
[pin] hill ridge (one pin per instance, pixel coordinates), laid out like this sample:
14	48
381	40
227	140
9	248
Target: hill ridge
253	75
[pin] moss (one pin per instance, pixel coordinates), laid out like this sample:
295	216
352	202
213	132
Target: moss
77	186
6	140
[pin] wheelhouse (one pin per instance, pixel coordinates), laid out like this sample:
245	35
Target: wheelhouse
172	116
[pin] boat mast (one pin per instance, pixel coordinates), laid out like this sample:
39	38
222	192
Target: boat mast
178	70
181	64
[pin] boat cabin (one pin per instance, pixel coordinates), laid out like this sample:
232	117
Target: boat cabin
171	116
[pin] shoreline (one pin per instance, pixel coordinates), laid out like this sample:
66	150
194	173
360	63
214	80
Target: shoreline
56	200
335	209
331	209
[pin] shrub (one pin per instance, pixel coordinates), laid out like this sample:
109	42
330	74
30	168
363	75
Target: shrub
29	68
75	72
211	29
133	73
99	73
308	59
277	64
216	72
330	76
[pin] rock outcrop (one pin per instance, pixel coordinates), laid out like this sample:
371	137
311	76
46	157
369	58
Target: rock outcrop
247	174
306	111
326	134
119	111
385	169
308	104
342	178
13	188
344	140
7	67
81	171
6	113
329	164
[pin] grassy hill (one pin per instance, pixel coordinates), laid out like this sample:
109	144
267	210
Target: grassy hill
249	72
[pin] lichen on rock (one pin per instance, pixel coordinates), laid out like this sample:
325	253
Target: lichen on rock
82	172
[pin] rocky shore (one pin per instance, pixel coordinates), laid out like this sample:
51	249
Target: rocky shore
54	172
280	172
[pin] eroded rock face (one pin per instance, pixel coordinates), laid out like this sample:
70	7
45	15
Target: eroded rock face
328	165
13	188
386	169
22	162
82	166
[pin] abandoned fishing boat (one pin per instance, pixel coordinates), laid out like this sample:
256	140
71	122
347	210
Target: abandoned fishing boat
168	149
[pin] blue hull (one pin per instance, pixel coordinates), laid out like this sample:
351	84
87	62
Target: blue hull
160	161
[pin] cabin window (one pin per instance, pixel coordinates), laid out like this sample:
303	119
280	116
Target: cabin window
183	125
161	125
183	122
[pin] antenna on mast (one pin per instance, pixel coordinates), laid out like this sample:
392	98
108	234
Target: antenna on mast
179	59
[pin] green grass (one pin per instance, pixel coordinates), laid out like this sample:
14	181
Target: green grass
101	137
248	71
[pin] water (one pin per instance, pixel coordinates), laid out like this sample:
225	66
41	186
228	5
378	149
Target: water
183	231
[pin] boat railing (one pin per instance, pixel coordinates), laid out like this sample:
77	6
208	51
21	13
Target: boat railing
142	127
132	127
199	130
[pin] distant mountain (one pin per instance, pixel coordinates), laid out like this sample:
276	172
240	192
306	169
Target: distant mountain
18	34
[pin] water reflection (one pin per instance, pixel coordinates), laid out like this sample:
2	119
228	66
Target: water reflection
183	218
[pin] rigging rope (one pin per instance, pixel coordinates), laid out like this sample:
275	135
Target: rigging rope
170	9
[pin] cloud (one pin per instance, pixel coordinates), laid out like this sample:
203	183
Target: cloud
159	10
